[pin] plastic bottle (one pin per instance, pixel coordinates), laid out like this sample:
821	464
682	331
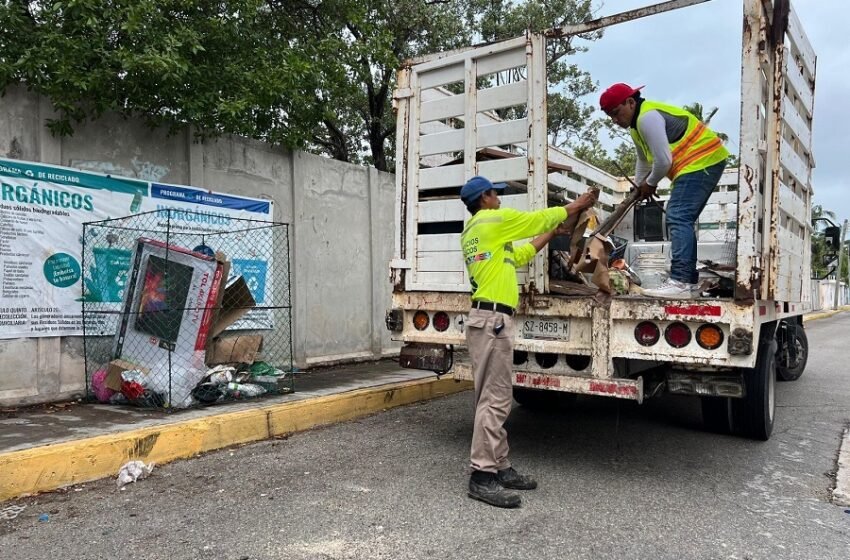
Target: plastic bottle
245	390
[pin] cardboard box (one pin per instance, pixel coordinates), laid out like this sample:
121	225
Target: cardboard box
234	349
167	313
116	368
236	301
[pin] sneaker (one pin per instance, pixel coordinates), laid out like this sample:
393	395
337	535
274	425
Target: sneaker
483	486
672	289
509	478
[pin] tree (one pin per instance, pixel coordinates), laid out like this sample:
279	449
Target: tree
500	19
819	248
358	123
311	74
242	67
592	152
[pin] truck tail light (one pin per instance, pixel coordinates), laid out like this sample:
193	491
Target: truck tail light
441	321
709	336
647	333
420	320
677	335
545	359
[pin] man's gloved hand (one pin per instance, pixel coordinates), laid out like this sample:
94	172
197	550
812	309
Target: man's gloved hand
647	191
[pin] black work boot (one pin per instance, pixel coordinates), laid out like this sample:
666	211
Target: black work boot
509	478
484	486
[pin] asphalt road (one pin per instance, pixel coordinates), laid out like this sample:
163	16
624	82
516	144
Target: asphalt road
616	481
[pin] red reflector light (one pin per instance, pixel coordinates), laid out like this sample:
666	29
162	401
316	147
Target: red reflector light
647	333
677	335
441	321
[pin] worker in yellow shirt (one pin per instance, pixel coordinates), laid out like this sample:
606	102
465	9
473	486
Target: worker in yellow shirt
491	260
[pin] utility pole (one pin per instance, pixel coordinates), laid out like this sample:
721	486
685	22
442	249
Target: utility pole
841	257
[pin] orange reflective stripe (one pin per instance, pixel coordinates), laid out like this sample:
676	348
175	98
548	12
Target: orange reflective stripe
691	157
689	139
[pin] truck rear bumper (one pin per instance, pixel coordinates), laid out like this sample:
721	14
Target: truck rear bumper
629	389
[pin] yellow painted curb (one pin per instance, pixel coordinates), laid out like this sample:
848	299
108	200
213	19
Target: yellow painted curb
53	466
824	314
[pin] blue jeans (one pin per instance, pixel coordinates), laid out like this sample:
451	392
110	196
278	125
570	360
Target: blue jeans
690	195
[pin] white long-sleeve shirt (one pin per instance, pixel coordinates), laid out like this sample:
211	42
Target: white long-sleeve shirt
656	131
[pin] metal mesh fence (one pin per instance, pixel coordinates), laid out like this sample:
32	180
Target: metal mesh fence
184	308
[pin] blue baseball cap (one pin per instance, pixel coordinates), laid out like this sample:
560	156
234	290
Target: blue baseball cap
477	186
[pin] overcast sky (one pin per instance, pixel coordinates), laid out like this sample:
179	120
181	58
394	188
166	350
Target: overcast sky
694	54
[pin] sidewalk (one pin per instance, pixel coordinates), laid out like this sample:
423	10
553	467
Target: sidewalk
815	315
47	447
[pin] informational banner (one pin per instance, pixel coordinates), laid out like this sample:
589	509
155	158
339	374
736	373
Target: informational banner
42	211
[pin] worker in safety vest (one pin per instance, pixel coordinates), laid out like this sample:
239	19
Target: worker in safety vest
491	261
672	143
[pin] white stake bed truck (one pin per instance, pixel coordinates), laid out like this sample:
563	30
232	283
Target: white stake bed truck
728	350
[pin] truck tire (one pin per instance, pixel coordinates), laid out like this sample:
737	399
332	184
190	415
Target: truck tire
717	414
792	372
543	400
753	415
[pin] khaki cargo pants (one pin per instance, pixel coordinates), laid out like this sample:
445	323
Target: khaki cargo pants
492	361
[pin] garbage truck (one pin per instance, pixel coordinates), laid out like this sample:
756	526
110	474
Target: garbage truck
728	347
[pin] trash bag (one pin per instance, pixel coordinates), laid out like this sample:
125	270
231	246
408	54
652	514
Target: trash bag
133	471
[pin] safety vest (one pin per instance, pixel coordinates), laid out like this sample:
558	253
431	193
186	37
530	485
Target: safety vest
697	149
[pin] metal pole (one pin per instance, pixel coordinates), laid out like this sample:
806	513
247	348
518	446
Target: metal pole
841	257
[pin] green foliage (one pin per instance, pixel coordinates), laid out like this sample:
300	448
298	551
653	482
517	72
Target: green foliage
242	67
497	19
819	248
311	74
378	36
621	162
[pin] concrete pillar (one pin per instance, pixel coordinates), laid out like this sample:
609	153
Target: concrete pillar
298	248
374	256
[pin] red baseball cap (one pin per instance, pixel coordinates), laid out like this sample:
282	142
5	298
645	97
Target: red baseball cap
616	94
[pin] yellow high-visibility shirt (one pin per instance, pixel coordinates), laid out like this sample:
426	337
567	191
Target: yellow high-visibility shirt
489	253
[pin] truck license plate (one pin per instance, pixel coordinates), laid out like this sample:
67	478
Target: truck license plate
547	330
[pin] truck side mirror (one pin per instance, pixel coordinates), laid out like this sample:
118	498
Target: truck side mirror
832	236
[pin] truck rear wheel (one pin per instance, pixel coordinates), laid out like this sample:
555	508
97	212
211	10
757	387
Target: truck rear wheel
788	368
717	414
753	415
544	400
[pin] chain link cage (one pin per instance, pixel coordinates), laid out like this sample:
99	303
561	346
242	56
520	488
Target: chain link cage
184	308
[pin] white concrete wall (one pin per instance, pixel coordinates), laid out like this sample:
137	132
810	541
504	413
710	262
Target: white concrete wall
342	231
823	295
